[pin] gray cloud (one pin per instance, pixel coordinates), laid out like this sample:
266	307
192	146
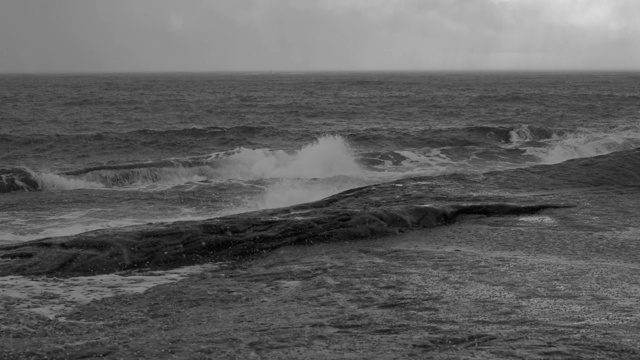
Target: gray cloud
245	35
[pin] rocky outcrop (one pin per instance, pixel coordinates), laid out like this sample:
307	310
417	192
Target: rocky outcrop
236	237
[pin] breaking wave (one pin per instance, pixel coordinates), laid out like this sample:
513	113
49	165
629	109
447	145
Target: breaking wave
382	154
24	179
327	157
525	133
17	179
586	143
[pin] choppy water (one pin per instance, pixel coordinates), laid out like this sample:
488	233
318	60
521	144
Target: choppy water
86	152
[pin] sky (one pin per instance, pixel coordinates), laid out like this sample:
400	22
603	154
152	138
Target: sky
318	35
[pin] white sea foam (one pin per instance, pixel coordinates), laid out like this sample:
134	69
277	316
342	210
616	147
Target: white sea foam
329	156
544	220
324	168
520	134
435	159
587	143
287	192
64	230
78	222
53	297
50	181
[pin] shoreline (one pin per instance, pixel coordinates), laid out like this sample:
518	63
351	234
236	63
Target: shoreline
466	290
535	263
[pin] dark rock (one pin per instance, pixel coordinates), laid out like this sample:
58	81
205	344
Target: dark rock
236	237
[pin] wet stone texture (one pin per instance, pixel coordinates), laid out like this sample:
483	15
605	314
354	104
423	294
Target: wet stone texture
496	266
451	292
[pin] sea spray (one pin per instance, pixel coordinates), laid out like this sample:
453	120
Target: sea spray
50	181
320	169
397	125
287	192
328	156
586	143
525	133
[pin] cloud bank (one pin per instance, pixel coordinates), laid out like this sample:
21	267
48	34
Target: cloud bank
307	35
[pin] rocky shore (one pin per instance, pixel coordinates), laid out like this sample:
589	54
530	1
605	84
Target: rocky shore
518	264
486	288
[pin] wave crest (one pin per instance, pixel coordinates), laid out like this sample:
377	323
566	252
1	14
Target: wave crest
328	156
17	179
23	179
586	143
50	181
525	133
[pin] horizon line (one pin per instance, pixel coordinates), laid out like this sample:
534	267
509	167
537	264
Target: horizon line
293	72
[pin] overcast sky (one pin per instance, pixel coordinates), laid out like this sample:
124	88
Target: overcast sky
299	35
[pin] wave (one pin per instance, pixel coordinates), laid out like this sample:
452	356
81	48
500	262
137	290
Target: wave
207	139
328	156
387	152
24	179
172	171
618	169
17	179
214	138
50	181
167	163
524	133
415	138
586	143
548	145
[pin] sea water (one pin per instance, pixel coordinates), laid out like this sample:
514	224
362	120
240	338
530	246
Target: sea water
84	152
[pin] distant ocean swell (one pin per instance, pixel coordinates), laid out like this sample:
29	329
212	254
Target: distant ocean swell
222	139
374	138
377	153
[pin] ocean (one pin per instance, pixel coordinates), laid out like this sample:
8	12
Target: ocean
86	152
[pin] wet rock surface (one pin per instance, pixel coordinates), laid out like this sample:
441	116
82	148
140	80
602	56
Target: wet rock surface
367	212
352	215
493	266
469	290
